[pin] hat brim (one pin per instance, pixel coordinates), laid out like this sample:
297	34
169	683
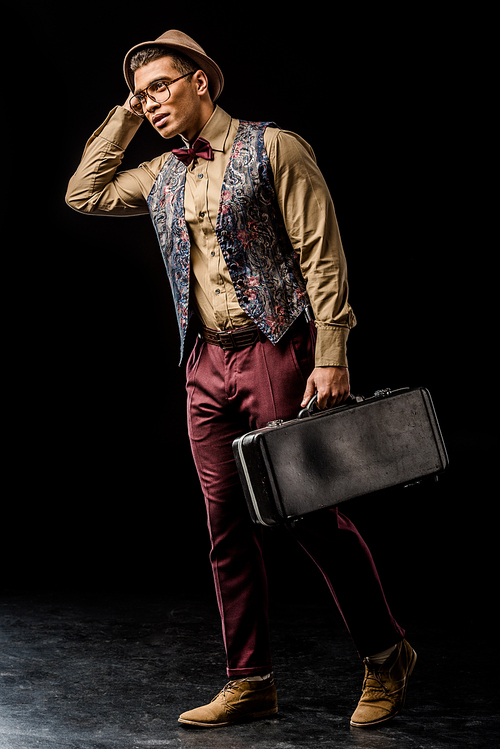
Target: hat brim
205	63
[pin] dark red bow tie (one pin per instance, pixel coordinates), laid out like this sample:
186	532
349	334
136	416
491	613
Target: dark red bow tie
200	147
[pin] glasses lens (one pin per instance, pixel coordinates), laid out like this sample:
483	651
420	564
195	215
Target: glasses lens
159	92
136	105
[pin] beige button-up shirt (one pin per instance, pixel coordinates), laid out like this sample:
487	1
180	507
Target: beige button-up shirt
99	188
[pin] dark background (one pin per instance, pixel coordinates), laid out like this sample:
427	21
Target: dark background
100	491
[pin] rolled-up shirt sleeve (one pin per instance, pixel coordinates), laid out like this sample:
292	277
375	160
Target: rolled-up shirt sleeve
311	224
97	187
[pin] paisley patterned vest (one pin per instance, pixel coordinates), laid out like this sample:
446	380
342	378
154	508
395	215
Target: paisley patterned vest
251	233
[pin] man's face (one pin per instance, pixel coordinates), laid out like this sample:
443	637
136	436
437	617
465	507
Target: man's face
181	113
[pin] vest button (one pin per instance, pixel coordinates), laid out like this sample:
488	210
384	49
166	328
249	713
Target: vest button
217	291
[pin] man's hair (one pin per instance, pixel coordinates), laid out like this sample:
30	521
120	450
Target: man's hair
181	62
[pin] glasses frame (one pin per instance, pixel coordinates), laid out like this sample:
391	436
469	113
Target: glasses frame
144	95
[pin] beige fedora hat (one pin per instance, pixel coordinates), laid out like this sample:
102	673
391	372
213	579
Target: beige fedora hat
181	42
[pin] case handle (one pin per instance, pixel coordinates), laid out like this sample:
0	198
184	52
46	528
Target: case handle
310	409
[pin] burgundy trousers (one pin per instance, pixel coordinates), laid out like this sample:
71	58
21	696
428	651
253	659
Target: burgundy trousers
232	392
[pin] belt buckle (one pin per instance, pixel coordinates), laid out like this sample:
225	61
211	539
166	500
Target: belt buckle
226	345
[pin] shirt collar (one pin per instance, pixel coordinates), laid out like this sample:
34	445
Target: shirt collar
216	130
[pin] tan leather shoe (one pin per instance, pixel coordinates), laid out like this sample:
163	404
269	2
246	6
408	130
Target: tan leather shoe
239	700
384	687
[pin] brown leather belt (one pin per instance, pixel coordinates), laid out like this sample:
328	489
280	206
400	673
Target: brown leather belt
231	340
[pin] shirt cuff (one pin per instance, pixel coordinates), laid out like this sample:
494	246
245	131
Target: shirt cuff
331	346
119	127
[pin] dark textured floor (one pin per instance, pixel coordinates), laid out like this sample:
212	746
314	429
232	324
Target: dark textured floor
114	671
109	628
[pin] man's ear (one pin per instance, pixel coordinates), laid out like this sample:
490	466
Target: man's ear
200	80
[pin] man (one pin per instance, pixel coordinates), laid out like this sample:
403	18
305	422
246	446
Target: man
251	245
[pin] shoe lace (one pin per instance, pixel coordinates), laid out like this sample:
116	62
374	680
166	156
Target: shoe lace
375	674
228	688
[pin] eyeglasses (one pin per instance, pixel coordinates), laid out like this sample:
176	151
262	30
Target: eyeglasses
158	91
